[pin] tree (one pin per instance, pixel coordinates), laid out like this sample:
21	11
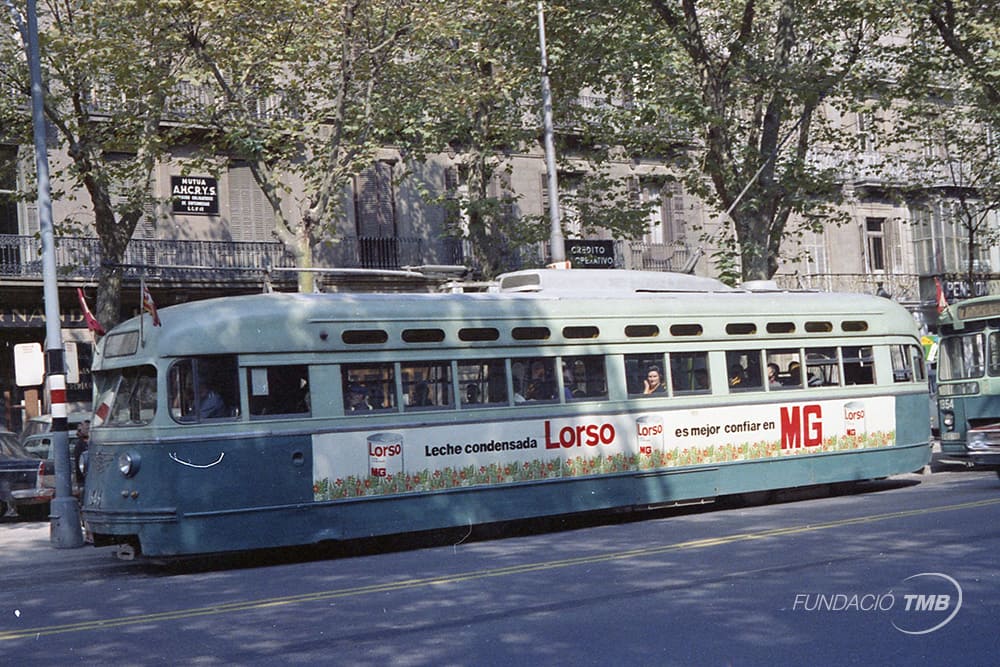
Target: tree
968	31
721	86
950	92
483	99
306	92
108	66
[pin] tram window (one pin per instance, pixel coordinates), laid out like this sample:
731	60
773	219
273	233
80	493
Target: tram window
369	387
132	397
534	379
819	327
689	372
919	369
645	374
584	378
743	370
364	337
530	333
741	328
580	332
423	335
121	344
902	363
783	369
426	384
475	334
482	383
859	365
278	390
203	388
642	331
685	330
994	352
856	326
780	327
822	368
961	357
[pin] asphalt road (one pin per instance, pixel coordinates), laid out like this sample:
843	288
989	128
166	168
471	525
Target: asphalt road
903	573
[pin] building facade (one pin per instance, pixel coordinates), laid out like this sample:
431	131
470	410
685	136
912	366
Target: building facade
210	234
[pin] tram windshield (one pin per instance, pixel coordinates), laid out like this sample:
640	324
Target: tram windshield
126	396
961	357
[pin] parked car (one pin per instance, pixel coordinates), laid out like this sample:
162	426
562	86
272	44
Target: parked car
27	483
40	444
36	437
43	424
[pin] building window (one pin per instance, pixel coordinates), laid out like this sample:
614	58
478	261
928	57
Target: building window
651	192
569	202
875	243
8	190
923	241
251	217
866	132
375	216
456	189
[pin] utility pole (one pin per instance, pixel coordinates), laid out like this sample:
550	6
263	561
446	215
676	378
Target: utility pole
65	529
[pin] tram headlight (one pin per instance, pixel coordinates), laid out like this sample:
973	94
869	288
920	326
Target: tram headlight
128	464
948	420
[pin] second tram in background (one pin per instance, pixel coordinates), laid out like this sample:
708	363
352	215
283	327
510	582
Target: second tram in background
968	383
284	419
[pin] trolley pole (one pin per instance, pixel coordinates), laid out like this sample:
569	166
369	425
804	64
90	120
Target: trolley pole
558	246
65	528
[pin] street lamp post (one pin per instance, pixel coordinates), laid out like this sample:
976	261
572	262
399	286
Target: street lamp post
558	246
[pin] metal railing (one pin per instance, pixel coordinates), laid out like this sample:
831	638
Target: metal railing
903	287
219	261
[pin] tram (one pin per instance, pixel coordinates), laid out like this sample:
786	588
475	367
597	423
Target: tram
273	420
968	383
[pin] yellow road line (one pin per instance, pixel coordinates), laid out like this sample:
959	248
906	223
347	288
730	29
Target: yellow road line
406	584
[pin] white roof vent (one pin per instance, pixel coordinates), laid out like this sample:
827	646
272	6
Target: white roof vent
604	281
761	286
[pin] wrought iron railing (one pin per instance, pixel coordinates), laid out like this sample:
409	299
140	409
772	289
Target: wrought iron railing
904	287
224	261
221	261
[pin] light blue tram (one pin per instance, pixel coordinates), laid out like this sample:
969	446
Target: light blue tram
285	419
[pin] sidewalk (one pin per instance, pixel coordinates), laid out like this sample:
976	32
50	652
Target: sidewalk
29	543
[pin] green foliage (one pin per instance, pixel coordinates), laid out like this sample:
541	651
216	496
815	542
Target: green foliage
735	94
947	112
107	67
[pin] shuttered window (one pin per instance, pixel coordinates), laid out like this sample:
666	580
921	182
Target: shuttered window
250	215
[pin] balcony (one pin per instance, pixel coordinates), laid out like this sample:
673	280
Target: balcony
216	262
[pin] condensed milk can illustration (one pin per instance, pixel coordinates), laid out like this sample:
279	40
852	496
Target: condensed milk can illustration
385	454
649	432
854	418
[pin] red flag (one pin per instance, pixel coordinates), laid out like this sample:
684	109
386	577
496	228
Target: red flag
149	305
92	322
942	301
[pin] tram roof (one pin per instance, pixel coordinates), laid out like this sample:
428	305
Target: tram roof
292	322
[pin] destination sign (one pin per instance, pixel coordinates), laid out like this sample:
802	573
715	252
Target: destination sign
978	311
